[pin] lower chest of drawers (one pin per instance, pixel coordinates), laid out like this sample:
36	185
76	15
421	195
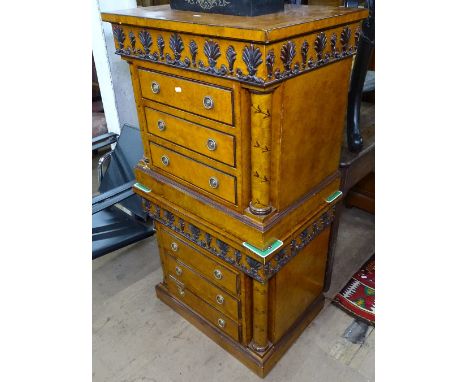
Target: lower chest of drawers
211	289
241	299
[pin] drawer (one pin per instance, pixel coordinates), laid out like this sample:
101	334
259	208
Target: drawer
208	292
225	278
207	178
206	100
206	141
218	319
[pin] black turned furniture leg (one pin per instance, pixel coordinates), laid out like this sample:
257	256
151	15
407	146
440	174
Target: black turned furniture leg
358	76
355	95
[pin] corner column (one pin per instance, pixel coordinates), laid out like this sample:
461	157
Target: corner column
260	341
260	129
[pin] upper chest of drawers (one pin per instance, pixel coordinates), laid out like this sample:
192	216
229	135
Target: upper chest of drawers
247	112
192	130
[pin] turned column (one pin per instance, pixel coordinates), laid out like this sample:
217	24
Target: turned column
260	317
260	129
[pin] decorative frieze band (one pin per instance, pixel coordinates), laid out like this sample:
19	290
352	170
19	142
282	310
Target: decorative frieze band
239	259
257	64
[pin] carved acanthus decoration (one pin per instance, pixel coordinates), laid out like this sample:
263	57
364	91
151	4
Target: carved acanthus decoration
251	54
231	58
252	267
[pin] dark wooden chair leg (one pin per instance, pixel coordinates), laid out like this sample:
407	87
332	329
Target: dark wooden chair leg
355	95
358	76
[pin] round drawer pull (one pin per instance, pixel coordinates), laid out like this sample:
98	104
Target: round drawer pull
217	274
165	160
221	323
220	299
211	144
161	125
155	88
181	291
214	183
178	271
174	246
208	102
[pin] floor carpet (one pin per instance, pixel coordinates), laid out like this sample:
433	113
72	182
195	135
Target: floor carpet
358	296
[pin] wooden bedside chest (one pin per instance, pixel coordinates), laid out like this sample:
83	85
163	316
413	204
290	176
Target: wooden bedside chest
241	121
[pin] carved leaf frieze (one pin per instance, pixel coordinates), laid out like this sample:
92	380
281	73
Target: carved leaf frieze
252	63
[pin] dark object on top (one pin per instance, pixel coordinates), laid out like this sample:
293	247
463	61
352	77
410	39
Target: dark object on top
230	7
358	76
115	227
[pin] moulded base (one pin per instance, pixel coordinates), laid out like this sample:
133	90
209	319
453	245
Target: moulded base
260	363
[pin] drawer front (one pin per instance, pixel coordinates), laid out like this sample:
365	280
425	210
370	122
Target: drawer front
218	319
207	178
214	296
203	140
198	98
213	271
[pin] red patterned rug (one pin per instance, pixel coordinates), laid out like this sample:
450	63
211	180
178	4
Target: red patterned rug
358	296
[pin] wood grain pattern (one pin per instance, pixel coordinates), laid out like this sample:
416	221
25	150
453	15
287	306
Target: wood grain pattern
312	127
199	176
188	95
192	136
298	284
202	288
260	341
260	152
236	225
270	93
197	304
199	261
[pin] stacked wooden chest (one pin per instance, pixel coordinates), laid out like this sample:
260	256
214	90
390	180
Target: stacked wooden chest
241	120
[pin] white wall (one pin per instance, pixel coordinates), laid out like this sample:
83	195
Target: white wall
113	73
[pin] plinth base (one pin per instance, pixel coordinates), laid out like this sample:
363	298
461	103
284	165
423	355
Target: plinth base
262	363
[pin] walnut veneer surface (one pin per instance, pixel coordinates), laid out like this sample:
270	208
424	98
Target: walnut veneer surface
241	122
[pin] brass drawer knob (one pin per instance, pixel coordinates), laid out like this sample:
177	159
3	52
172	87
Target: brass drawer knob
220	299
155	88
208	102
178	271
174	246
214	183
221	323
161	125
165	160
181	291
217	274
211	144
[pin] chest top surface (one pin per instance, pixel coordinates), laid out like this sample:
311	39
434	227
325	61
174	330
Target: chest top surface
294	21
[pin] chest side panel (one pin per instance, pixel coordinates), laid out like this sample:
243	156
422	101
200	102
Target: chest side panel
312	124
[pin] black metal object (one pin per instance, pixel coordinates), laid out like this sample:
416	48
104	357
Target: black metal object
111	197
115	227
230	7
104	140
365	46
